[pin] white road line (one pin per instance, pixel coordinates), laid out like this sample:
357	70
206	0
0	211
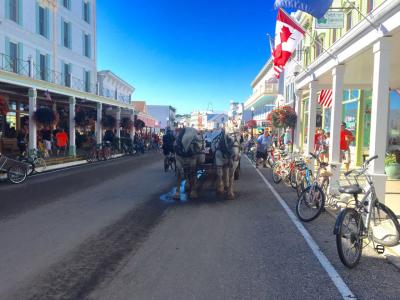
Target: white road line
330	270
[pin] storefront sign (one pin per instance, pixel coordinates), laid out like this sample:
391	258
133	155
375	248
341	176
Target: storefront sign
331	20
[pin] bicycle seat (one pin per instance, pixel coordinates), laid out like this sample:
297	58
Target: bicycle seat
351	189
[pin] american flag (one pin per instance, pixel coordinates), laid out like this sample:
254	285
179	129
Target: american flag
325	98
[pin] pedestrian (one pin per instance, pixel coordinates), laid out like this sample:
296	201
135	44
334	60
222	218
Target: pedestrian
325	152
21	141
46	137
61	141
264	145
346	138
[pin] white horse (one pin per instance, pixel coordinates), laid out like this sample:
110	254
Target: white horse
226	147
189	154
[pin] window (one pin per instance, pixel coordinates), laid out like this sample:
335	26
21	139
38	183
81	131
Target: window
42	67
42	21
348	21
87	81
67	74
86	45
86	11
13	57
14	11
67	4
370	5
66	34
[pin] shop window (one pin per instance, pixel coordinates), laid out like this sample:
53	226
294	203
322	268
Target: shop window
349	116
394	122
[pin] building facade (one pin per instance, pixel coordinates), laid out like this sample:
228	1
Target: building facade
165	114
358	61
112	86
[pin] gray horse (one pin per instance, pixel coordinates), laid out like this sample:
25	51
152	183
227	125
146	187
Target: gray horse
226	147
189	155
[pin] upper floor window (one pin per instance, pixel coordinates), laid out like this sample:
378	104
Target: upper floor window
67	3
14	57
66	34
14	10
42	23
86	11
67	74
334	35
370	5
87	81
349	21
86	45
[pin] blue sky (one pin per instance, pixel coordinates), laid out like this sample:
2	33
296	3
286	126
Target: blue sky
185	53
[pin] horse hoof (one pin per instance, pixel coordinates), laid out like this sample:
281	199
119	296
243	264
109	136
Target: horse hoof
230	196
177	197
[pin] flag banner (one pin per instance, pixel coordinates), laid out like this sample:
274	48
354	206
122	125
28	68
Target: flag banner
316	8
287	35
325	98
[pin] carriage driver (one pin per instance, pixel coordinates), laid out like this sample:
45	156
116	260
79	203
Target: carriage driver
168	144
264	145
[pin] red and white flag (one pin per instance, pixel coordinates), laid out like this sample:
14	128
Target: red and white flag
287	35
325	98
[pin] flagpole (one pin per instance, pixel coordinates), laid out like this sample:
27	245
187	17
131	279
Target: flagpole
315	40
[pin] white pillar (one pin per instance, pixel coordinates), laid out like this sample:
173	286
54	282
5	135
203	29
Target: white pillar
336	120
72	144
380	113
118	117
99	127
299	113
312	116
32	144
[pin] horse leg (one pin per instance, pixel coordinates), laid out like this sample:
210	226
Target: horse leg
231	173
220	186
226	178
177	195
193	186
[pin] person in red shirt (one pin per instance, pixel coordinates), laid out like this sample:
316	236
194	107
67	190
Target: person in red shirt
61	141
346	137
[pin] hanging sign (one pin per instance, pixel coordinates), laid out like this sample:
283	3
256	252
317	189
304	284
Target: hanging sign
331	20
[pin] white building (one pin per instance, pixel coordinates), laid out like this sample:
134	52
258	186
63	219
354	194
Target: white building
264	96
56	39
165	114
112	86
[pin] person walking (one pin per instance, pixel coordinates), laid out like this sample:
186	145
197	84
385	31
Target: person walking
21	141
61	141
346	138
46	137
168	146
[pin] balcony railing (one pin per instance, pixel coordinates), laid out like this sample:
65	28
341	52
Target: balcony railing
270	89
29	69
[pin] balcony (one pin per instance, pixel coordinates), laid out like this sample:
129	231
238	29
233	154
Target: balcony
268	90
28	68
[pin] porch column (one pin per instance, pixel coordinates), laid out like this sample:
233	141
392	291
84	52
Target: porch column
312	118
72	144
99	127
336	120
133	127
118	117
299	113
32	144
380	113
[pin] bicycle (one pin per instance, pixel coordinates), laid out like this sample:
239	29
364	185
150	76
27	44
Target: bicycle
311	201
34	162
16	171
368	219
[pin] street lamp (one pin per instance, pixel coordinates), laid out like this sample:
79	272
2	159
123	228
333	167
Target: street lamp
252	117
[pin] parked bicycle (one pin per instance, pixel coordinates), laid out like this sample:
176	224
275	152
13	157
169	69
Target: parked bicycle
35	162
16	171
367	220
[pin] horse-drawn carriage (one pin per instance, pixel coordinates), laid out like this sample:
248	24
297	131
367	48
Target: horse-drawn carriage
220	151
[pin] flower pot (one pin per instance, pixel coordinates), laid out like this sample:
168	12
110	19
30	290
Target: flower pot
393	171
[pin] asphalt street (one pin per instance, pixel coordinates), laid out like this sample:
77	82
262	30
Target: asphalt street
112	231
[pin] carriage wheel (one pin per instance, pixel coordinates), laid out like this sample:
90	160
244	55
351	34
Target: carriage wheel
17	174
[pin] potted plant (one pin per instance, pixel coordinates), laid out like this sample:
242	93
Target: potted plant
108	122
392	165
46	116
126	123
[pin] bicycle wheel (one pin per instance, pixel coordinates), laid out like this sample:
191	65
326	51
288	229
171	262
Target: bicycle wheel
384	226
349	239
276	173
40	164
17	174
30	166
310	204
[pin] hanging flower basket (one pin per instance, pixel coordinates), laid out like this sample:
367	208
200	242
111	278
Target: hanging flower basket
126	123
85	118
251	123
45	116
139	124
283	117
108	122
3	106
